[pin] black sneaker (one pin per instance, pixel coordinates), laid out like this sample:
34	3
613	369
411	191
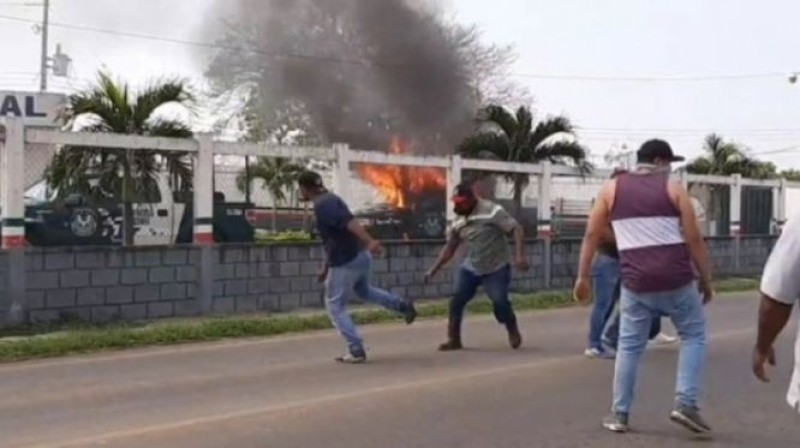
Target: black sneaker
451	345
689	418
514	337
616	422
410	313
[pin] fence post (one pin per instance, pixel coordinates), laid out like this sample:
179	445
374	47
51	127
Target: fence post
453	179
780	206
683	178
341	170
12	202
204	191
736	220
13	199
544	227
204	219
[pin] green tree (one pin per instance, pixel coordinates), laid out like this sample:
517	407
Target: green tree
277	175
514	137
723	158
110	106
792	175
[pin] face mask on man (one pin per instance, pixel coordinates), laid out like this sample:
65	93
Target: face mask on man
463	205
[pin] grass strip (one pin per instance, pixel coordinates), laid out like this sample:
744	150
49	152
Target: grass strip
68	339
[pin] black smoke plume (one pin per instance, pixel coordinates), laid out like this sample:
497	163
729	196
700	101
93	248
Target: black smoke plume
350	71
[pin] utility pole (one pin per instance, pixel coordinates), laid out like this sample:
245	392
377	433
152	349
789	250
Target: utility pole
45	57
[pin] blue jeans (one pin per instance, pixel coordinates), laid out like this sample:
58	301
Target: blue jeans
605	289
611	335
685	307
497	286
341	284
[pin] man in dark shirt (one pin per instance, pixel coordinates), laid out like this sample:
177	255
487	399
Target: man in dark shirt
347	266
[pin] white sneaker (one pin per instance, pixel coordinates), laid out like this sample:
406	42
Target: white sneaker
597	353
350	358
664	339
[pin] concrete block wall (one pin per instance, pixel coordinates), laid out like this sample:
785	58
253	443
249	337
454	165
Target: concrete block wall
565	263
722	252
251	278
108	284
284	278
753	253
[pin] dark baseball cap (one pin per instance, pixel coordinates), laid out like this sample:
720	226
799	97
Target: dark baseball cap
310	179
657	149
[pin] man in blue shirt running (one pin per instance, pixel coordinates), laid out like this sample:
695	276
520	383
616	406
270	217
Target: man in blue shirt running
347	266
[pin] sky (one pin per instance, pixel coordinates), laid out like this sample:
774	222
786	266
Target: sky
622	70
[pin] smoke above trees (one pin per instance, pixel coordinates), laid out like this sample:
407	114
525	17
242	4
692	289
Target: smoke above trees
355	71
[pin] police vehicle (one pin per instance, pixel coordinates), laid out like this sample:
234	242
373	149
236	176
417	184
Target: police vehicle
163	218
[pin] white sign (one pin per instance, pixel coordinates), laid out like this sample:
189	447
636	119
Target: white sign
36	109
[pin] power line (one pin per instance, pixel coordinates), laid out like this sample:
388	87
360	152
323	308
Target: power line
775	151
317	58
688	130
363	62
688	78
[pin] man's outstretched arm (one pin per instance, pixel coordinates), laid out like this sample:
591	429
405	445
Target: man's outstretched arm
447	253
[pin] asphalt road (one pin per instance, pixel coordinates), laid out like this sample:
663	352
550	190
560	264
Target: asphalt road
287	392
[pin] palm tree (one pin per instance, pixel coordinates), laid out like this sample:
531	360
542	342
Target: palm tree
721	157
109	106
724	158
277	175
509	137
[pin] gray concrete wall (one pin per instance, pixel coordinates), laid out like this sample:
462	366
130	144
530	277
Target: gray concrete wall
107	284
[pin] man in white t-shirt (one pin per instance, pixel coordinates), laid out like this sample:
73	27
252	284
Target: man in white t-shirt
780	290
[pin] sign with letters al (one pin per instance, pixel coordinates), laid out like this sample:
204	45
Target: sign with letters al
36	109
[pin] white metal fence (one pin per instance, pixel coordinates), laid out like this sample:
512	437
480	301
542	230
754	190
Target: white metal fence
217	165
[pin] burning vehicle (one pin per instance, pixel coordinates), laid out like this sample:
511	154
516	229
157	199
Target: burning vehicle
415	199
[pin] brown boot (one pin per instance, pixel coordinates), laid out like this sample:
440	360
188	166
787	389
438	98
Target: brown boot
514	336
453	337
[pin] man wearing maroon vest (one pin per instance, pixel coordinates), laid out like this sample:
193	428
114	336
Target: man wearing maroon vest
660	247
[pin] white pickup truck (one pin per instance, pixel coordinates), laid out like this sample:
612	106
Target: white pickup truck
163	218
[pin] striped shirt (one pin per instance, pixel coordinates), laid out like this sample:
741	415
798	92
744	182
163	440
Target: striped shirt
647	226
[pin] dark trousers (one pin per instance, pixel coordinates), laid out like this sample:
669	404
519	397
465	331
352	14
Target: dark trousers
496	285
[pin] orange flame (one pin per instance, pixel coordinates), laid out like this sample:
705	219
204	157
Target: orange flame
397	183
